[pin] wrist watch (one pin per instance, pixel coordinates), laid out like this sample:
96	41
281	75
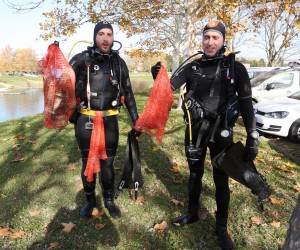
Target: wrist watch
254	134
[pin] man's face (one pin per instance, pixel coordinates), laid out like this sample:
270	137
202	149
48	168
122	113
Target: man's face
104	40
212	42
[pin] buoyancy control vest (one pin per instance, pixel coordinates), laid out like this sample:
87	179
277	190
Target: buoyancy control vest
104	75
211	100
212	91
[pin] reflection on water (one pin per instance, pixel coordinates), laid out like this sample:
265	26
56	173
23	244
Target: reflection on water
14	106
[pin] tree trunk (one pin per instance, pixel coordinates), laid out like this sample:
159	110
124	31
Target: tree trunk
190	42
292	241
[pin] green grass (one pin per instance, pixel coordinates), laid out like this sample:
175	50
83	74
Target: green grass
47	180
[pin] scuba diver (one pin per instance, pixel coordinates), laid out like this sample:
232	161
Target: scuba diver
217	90
102	87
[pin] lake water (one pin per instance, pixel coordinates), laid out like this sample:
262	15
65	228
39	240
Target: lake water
12	106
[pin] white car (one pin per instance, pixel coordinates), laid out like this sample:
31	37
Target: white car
279	82
280	117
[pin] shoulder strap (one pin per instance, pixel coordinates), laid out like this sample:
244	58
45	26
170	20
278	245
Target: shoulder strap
230	75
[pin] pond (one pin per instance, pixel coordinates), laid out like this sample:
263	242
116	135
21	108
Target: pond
13	106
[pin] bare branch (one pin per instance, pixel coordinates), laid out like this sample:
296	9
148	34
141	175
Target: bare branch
25	7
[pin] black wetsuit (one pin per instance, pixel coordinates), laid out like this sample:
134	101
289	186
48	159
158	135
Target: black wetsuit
103	70
212	92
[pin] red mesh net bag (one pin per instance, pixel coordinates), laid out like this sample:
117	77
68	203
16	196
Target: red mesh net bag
155	115
97	148
59	87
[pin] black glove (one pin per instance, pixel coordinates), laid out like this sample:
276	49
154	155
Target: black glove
251	149
136	133
155	69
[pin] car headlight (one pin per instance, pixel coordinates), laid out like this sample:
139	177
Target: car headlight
277	115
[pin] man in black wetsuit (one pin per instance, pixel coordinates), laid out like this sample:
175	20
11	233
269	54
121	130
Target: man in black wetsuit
102	84
216	89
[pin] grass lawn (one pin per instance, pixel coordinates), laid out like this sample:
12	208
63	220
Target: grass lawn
40	188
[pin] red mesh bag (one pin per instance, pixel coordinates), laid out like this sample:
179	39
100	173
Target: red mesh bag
59	87
155	115
97	148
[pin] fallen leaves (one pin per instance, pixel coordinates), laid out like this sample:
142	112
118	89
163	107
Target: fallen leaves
99	226
297	187
68	227
140	200
96	213
71	167
162	226
17	234
233	182
53	245
276	201
256	220
178	179
275	224
34	213
18	158
154	149
177	202
8	232
175	169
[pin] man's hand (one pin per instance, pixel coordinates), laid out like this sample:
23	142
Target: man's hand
251	149
155	69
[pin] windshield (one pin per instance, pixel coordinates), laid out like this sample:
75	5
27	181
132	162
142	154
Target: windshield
295	95
260	78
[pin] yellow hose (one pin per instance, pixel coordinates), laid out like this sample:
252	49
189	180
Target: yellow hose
189	117
84	41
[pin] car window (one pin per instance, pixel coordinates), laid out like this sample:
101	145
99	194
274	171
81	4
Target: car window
262	77
281	80
295	95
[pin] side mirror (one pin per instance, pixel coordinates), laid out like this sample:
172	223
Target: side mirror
270	86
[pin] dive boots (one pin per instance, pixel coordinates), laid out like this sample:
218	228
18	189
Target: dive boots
225	241
190	217
112	208
87	210
184	219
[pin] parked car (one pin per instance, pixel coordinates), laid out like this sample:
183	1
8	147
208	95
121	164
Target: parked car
256	71
280	117
278	82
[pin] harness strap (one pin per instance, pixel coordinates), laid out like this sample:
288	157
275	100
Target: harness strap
203	128
217	122
109	112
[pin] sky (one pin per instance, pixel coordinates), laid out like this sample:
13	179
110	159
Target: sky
21	31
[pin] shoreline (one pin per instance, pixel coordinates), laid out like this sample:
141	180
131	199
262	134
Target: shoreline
10	89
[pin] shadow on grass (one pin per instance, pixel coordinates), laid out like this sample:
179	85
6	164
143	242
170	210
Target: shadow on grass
83	236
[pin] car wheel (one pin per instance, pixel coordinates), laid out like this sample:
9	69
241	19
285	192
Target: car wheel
294	134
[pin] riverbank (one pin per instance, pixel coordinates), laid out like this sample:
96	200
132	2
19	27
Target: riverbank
19	84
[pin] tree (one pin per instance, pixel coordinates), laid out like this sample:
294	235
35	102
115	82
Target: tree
143	60
22	60
25	60
6	59
277	25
